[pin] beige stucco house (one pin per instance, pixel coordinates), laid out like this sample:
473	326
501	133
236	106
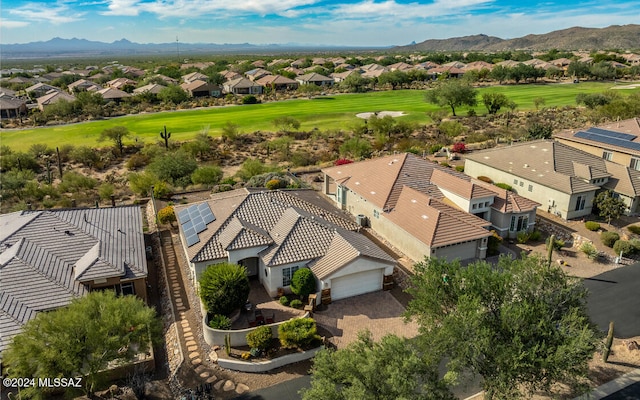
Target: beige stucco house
275	233
563	179
424	209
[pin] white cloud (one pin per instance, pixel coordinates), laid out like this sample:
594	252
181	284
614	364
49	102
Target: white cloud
381	10
129	8
56	14
14	24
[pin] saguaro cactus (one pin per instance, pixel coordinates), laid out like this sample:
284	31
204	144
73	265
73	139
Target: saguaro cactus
609	342
552	241
165	135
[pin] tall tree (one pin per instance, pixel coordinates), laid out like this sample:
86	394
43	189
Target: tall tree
453	93
82	339
609	206
521	325
391	369
494	101
116	135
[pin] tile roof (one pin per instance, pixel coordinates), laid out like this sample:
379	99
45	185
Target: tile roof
46	255
546	162
506	201
461	186
53	97
624	180
433	222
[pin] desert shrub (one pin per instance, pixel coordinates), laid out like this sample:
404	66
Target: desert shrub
623	246
535	235
504	186
224	288
162	190
485	179
445	164
260	338
557	243
166	215
609	238
634	229
523	237
137	161
590	250
220	322
273	184
295	303
284	300
303	282
250	99
298	332
460	168
592	225
207	175
75	182
459	147
636	245
302	159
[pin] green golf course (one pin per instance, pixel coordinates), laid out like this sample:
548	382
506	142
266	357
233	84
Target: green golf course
322	112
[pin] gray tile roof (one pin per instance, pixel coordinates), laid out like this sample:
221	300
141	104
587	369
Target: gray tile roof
45	256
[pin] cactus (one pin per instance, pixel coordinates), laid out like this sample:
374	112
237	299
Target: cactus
227	344
607	348
552	240
165	135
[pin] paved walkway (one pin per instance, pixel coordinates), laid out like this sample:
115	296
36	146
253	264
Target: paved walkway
194	374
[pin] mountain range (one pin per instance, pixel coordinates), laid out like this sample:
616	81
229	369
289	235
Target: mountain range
576	38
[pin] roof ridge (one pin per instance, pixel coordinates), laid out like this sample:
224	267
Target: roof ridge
12	299
405	157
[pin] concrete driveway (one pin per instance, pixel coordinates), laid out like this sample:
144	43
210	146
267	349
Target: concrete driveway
614	296
379	312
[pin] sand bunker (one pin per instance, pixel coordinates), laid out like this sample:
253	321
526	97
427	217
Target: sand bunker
380	114
632	86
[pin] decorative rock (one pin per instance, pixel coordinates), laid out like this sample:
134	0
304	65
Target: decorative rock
192	348
213	356
196	361
212	379
193	355
187	329
204	375
215	348
632	345
218	385
242	388
200	369
228	386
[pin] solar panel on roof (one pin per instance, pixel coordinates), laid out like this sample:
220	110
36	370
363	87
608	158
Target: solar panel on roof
608	140
203	206
183	216
208	217
614	134
192	239
200	226
190	231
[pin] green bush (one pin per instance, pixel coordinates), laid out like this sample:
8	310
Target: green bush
249	99
609	238
303	282
295	303
460	168
535	235
284	301
260	338
273	184
590	250
224	288
445	164
504	186
592	225
220	322
557	243
523	237
623	246
634	229
636	245
298	332
485	179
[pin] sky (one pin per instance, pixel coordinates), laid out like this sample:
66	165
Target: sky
307	22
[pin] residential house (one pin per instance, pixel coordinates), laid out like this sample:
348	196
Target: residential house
341	76
451	71
294	70
194	76
198	65
242	86
113	94
200	88
398	198
83	85
278	83
48	258
40	89
616	141
11	106
257	73
230	75
120	83
314	79
53	97
154	88
167	80
275	233
400	66
476	66
563	179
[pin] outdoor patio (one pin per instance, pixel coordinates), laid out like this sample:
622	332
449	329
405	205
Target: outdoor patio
269	308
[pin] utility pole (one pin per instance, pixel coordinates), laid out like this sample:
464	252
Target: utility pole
178	48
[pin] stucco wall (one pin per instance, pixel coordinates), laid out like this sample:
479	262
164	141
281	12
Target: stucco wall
238	337
263	366
552	200
360	264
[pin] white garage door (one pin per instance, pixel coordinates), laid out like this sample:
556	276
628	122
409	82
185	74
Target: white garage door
355	284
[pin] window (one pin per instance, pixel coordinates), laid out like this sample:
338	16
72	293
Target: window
376	214
474	206
580	203
607	155
521	183
515	181
127	288
531	188
512	227
635	163
486	204
287	274
519	223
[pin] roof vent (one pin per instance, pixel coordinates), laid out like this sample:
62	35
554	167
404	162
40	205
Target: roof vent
526	166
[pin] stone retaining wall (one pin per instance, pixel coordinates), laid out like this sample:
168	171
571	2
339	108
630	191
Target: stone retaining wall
268	365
